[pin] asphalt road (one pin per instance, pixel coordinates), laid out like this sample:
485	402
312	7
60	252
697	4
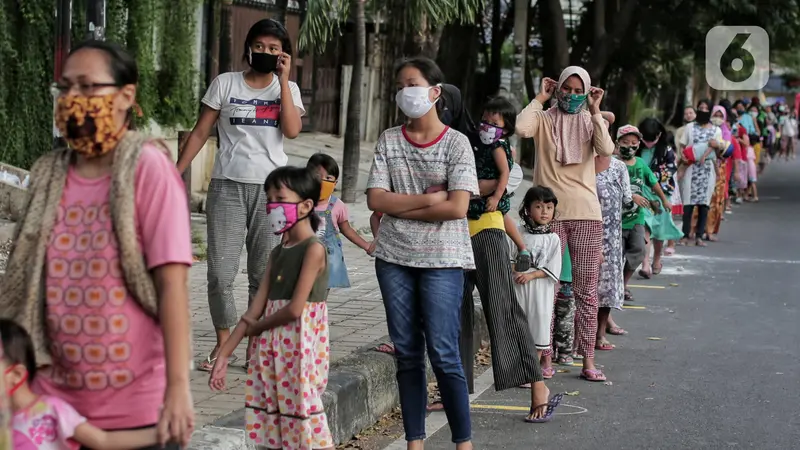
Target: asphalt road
725	372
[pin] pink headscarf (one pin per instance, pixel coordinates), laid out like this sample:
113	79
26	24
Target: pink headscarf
726	129
571	131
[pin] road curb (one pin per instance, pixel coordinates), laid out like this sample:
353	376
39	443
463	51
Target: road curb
361	388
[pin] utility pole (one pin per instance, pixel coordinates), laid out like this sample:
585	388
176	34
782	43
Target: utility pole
520	50
96	19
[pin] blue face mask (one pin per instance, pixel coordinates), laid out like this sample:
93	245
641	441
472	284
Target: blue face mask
571	103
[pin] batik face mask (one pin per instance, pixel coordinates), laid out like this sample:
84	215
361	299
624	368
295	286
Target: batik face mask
87	123
282	216
571	103
626	152
489	133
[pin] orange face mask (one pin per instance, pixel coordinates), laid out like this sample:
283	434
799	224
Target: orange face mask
87	123
327	190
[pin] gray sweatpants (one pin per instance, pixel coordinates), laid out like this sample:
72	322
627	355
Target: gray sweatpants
236	215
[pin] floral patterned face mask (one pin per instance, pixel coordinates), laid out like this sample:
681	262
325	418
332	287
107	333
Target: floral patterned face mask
87	123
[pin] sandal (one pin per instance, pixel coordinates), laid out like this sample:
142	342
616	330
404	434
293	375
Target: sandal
604	346
387	348
593	375
577	357
669	251
548	372
435	406
628	295
565	360
700	243
684	242
657	270
616	331
551	407
207	365
644	274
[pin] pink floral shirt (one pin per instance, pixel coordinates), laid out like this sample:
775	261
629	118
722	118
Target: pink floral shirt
108	353
47	424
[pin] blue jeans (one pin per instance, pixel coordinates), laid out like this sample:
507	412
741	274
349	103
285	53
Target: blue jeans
423	306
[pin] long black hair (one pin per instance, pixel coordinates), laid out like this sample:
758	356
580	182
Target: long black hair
302	181
536	194
650	128
453	113
17	346
430	72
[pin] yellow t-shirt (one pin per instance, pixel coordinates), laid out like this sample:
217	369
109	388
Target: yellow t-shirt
490	220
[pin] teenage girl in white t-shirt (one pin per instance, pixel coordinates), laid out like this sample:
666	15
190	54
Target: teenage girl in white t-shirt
253	111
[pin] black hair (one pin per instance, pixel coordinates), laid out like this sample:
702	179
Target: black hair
737	103
17	346
121	65
725	103
430	72
501	105
650	128
327	162
267	27
535	194
688	107
706	101
302	182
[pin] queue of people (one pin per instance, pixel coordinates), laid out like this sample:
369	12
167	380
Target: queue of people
95	300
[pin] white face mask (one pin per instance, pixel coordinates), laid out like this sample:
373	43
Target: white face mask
717	121
414	101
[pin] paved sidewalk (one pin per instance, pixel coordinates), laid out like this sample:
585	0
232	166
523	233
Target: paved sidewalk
356	314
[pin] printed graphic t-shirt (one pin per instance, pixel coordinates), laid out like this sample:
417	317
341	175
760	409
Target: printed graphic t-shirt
640	176
48	424
108	354
405	167
250	135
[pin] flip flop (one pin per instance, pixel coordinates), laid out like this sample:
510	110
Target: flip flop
669	251
435	406
207	365
657	270
548	373
565	360
644	274
593	375
616	331
604	346
551	408
387	348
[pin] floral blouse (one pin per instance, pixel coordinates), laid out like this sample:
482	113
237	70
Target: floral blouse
664	169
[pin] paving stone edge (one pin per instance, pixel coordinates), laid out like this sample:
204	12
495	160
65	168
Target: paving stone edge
361	389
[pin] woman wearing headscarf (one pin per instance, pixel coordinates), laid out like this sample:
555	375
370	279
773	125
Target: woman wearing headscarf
567	137
719	118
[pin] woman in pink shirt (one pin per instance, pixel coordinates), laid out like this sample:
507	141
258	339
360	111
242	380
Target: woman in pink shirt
568	136
98	274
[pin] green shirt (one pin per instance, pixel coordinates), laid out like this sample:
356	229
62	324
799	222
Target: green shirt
641	176
286	263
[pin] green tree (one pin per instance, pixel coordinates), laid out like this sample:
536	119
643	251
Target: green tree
323	22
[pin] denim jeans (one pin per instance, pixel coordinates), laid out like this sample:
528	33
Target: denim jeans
423	306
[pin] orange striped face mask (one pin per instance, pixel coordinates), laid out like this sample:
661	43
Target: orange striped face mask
87	123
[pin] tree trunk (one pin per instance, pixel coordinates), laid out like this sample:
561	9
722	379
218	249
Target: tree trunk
458	56
605	46
352	134
554	38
